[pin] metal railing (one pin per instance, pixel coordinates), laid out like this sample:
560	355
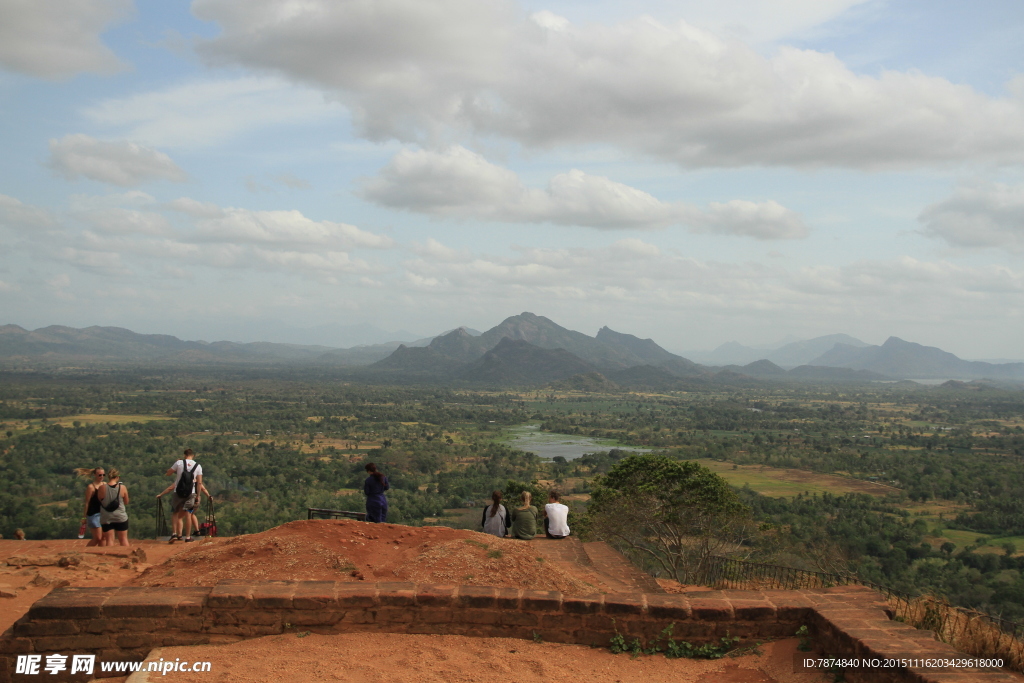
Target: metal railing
324	513
969	630
161	520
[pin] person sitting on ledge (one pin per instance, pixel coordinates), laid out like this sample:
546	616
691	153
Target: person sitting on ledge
556	517
524	519
495	518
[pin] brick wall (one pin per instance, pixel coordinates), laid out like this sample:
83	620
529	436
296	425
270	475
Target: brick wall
125	623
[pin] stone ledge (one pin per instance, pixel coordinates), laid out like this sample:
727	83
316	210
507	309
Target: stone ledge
121	623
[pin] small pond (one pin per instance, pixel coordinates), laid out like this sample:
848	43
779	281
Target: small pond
547	445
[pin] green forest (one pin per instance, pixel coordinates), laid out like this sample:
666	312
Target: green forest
917	488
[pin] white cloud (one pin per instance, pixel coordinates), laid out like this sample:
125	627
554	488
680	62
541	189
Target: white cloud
292	182
195	208
285	227
59	39
987	215
131	234
455	68
101	262
462	184
118	163
119	221
413	59
432	249
15	215
763	220
204	113
113	200
8	287
760	21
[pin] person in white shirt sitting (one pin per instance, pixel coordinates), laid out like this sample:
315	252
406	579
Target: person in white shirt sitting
556	517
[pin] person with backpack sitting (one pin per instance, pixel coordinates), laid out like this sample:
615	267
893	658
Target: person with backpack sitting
188	474
113	517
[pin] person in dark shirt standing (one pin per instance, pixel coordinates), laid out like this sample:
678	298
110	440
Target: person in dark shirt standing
92	502
374	487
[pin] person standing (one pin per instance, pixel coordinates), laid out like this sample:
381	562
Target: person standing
188	474
556	517
113	517
374	487
198	499
495	517
92	503
524	519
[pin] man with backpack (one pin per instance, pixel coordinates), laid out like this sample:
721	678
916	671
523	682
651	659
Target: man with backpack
188	477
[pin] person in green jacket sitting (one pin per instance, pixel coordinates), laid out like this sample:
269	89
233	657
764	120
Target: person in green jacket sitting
524	519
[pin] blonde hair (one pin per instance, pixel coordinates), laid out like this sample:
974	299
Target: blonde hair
86	472
113	474
525	497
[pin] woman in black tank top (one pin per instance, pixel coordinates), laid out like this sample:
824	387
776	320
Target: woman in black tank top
95	476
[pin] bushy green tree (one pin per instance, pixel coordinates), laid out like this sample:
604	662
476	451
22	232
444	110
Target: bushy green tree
668	515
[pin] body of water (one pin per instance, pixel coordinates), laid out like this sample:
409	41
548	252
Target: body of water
547	445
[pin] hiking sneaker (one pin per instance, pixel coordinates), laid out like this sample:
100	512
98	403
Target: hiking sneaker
174	538
189	539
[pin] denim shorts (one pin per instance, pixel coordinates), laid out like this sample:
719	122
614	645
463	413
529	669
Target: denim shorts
93	521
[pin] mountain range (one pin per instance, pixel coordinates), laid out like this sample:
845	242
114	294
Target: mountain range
525	349
907	360
787	355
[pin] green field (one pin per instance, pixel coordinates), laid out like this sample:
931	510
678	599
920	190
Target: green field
99	418
992	544
786	483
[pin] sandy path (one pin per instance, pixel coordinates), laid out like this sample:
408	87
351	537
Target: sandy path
396	658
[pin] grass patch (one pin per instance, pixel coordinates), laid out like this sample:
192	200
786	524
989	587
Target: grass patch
786	483
98	418
478	544
495	554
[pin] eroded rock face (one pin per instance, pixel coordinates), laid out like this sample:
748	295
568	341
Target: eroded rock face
39	561
41	581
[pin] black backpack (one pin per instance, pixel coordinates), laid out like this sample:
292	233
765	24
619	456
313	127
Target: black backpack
187	481
111	507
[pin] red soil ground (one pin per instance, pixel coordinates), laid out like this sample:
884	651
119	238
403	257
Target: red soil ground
352	551
347	550
396	658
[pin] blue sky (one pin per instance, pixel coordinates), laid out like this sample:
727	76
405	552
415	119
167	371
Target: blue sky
335	172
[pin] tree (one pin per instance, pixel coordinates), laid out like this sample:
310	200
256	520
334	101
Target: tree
668	515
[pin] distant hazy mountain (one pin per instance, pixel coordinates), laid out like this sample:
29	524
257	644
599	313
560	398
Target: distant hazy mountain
906	360
647	352
368	354
759	368
729	353
523	349
609	350
803	352
515	361
115	344
421	360
542	332
787	356
460	345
